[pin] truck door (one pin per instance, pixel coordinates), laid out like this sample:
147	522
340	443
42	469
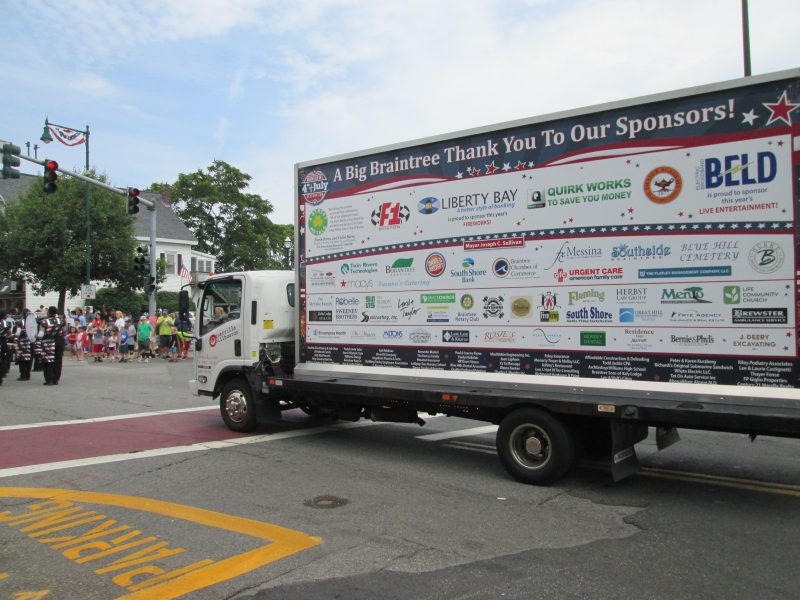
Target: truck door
220	328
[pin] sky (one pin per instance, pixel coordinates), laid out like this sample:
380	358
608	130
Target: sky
168	87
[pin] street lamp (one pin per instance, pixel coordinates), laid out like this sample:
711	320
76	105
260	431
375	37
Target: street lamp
74	137
287	246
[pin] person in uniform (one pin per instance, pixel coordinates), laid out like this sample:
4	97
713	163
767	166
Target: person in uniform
6	327
51	332
26	335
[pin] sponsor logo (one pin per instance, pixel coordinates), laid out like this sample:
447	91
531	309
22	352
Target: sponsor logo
766	257
437	314
631	295
348	301
689	295
321	316
327	333
501	267
468	272
455	336
321	278
570	252
734	294
406	308
539	336
696	340
663	184
548	308
595	274
521	306
377	302
382	317
435	264
401	266
589	314
428	206
493	307
624	251
420	336
393	334
363	334
586	296
320	302
754	340
362	268
500	336
735	170
535	199
390	215
441	298
593	338
685	272
357	284
467	302
708	251
317	221
637	315
761	316
695	316
347	314
314	187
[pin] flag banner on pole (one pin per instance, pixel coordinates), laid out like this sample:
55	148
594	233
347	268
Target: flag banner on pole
184	272
68	137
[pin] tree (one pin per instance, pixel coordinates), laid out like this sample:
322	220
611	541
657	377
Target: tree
228	222
43	239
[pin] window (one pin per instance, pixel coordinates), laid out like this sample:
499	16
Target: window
222	302
170	259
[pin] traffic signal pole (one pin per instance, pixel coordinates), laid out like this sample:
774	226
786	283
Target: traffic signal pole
148	203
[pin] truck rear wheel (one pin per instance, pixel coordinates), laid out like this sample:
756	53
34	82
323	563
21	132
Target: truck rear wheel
236	406
534	446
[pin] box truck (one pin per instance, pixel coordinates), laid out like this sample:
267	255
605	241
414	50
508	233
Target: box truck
576	279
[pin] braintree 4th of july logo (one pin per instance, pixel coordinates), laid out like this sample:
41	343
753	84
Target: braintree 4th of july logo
317	221
314	187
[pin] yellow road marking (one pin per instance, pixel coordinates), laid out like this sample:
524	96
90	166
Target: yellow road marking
769	487
282	541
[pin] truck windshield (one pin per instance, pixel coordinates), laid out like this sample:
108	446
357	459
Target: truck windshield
222	302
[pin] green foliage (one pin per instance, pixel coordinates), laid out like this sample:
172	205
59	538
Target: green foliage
134	302
229	223
43	238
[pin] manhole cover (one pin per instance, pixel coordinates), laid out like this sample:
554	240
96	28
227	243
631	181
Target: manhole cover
326	502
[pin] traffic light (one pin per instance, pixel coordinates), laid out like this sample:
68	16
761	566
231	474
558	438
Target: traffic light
10	160
142	261
50	176
133	201
150	285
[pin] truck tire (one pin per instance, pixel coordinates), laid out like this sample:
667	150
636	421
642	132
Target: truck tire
534	446
236	406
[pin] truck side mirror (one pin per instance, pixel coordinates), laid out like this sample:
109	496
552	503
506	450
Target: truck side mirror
183	305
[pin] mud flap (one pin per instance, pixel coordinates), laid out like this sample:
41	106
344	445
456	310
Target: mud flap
666	436
624	461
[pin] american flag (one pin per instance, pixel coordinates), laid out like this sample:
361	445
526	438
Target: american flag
184	272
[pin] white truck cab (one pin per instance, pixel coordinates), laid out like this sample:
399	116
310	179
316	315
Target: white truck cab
243	319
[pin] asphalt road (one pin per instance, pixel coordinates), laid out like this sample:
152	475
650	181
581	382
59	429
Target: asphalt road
134	488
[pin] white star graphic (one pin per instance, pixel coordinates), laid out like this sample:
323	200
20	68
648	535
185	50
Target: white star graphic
749	117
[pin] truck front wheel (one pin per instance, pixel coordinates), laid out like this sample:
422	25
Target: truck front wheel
236	406
534	446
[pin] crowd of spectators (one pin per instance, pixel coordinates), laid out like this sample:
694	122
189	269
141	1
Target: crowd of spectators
114	336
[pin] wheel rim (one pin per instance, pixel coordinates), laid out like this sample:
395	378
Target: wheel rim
530	446
236	406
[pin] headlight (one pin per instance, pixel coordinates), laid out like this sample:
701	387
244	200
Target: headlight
274	352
